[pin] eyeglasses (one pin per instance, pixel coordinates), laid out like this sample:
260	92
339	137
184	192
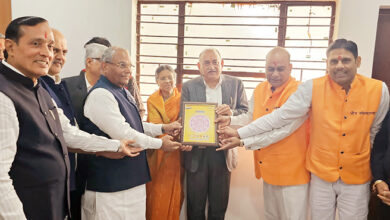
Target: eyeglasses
207	63
97	59
123	65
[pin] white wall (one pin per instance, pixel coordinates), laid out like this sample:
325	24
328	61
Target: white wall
79	21
358	22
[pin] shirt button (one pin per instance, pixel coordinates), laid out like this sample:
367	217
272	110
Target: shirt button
45	113
270	97
345	117
341	168
341	152
343	134
266	109
346	100
55	134
260	162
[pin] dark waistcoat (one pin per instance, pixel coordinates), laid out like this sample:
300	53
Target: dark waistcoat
40	170
59	93
110	175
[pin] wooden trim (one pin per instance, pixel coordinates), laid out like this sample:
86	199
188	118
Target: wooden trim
138	39
306	2
180	46
282	25
5	14
281	40
332	22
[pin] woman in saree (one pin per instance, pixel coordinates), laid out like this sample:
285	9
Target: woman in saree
164	193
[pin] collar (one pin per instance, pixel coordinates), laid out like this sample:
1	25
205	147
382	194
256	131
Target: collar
17	71
340	89
56	78
280	88
219	83
89	86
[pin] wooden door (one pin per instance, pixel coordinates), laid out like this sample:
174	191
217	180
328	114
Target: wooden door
5	14
381	65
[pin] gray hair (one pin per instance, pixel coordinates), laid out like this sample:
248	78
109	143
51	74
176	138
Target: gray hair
210	49
2	36
109	54
165	67
94	50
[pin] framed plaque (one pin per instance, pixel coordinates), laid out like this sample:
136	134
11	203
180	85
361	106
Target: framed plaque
198	122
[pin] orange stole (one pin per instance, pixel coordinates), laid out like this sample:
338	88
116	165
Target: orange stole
282	163
164	192
340	129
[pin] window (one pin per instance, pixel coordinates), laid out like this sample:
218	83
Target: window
175	33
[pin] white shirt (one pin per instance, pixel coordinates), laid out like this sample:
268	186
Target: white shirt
56	78
103	110
265	139
214	95
87	84
297	107
10	206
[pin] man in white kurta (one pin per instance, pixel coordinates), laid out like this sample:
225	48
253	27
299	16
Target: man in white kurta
105	110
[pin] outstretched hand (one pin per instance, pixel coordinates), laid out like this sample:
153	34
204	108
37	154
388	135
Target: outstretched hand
229	143
127	149
222	121
227	132
223	110
173	128
168	144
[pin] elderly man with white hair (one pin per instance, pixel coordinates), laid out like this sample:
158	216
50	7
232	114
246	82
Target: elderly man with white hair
81	84
111	111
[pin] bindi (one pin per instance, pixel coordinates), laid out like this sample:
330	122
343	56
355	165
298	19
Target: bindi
45	35
339	57
275	64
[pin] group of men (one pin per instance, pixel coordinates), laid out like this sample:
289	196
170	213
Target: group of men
319	132
38	129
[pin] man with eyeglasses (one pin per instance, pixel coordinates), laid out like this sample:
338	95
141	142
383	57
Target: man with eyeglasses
208	171
81	84
110	110
281	165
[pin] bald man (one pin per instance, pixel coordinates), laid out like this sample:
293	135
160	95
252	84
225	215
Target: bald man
282	164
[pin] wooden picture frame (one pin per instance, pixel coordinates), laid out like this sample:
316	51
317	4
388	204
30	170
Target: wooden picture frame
198	123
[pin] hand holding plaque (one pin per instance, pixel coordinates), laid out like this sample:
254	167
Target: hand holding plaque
199	126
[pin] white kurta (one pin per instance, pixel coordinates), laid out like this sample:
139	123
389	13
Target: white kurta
103	110
10	206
